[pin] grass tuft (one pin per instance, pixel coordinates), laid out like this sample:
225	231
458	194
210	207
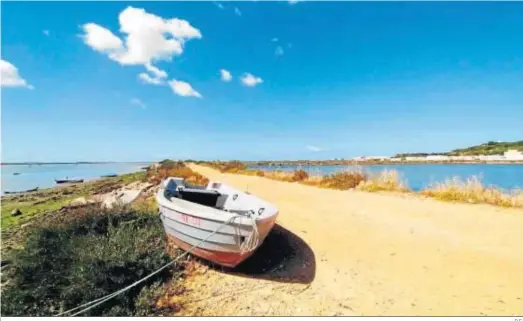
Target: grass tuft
386	180
472	190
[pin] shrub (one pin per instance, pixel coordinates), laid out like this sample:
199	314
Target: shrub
300	175
260	173
342	180
232	167
84	257
175	169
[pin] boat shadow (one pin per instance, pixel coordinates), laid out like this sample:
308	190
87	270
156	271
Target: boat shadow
283	257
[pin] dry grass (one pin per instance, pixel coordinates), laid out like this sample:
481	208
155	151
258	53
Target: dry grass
175	169
300	175
386	180
472	190
280	175
342	180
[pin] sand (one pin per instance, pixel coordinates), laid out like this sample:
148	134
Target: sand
357	253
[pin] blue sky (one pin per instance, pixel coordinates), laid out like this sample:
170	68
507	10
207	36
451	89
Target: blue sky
326	80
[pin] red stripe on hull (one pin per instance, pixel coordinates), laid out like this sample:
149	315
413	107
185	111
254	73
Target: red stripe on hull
227	259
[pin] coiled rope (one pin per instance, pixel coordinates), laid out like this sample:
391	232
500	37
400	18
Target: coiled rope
248	245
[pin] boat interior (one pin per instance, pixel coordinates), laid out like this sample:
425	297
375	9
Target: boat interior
215	195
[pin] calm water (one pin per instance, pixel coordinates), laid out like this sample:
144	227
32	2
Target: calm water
420	176
43	176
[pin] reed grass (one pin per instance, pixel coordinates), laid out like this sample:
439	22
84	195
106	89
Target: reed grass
386	180
472	190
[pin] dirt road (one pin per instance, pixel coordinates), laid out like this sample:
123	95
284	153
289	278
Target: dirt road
357	253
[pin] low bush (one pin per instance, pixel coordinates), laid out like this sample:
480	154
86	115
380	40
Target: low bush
83	257
342	180
300	175
169	168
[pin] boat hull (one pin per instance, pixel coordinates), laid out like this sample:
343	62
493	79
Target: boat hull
195	234
227	259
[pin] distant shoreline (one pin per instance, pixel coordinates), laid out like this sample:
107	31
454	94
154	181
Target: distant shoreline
354	163
70	163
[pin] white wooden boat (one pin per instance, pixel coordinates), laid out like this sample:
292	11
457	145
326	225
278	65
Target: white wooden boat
218	222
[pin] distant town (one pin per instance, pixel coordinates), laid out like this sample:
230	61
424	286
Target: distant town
491	152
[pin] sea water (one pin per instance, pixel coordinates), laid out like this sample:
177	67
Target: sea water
419	176
43	176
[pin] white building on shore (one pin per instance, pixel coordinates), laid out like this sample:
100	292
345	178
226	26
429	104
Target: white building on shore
513	154
510	155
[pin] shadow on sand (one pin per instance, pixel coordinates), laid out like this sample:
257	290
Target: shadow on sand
283	257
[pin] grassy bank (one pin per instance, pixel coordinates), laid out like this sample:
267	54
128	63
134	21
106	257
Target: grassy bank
471	190
69	255
48	200
84	254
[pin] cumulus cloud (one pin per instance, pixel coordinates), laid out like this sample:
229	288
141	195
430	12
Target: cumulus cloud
250	80
9	76
184	89
138	102
237	11
279	51
146	39
313	148
226	75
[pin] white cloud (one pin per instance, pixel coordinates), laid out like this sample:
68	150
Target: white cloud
136	101
183	89
274	39
158	73
250	80
9	76
278	51
148	38
226	75
45	32
313	148
101	39
237	11
145	78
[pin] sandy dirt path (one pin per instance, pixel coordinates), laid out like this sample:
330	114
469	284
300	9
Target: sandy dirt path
356	253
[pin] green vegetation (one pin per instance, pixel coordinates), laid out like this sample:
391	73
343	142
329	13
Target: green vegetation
490	148
84	254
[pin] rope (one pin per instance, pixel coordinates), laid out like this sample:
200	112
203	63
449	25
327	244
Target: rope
250	244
